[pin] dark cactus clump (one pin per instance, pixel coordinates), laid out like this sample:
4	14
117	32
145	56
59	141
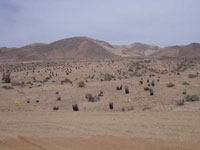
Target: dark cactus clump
6	77
75	107
126	90
111	105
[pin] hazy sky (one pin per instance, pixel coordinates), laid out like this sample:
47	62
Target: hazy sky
160	22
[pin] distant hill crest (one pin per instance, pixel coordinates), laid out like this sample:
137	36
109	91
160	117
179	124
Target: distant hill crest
85	48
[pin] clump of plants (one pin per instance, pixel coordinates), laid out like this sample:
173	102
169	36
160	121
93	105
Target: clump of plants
92	98
180	102
81	84
191	98
66	81
7	87
192	76
169	85
6	77
185	83
108	77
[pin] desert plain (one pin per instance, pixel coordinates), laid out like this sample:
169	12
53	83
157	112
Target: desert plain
161	109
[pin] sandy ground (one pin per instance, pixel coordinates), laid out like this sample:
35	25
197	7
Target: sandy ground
176	129
148	122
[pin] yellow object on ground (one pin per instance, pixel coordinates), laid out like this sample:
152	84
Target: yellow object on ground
127	100
17	101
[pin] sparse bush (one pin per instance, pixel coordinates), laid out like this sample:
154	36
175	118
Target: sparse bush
59	98
123	109
191	98
18	84
28	100
192	76
7	87
81	84
170	85
130	108
55	108
146	89
108	77
135	74
147	61
146	108
185	83
153	83
3	76
66	81
184	92
100	93
180	102
7	78
92	98
29	82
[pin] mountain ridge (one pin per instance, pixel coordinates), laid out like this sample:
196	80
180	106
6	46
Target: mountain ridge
80	48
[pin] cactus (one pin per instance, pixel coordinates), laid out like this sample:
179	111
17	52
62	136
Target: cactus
6	77
153	83
151	91
55	108
119	87
126	90
100	93
59	98
146	89
111	105
75	107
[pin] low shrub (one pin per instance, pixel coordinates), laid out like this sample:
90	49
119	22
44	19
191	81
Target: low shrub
92	98
81	84
180	102
170	84
185	83
191	98
192	76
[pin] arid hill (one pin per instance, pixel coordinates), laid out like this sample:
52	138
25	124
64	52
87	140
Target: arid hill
143	49
84	48
72	48
191	50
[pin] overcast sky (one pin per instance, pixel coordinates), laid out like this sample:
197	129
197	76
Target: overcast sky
159	22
